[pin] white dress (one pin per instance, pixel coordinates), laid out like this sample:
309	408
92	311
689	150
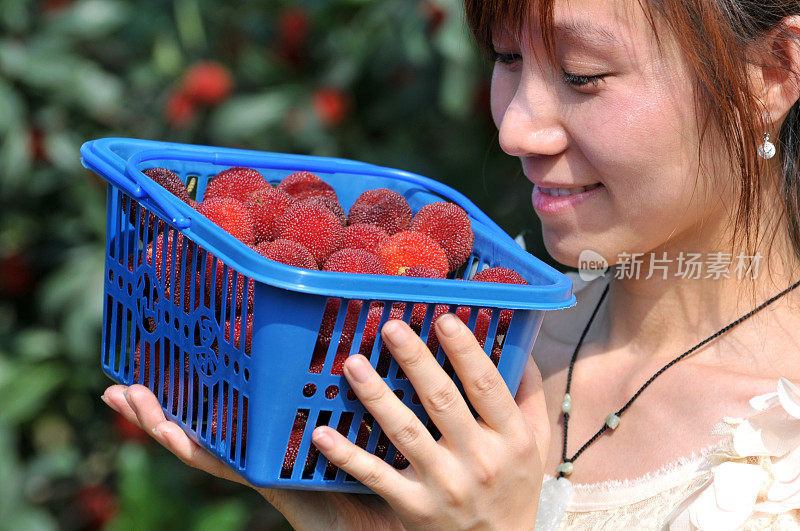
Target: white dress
751	480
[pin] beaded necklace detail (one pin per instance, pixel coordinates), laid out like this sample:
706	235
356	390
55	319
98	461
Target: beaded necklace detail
557	491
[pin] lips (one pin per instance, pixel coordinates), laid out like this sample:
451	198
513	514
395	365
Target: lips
545	200
559	192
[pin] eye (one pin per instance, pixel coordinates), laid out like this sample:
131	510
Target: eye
506	58
581	81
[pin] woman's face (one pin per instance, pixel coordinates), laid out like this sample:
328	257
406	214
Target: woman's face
630	134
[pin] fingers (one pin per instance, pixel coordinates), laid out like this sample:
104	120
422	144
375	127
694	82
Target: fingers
436	390
485	388
531	402
140	406
370	470
398	422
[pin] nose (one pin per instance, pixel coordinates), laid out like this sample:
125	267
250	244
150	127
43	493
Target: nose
529	124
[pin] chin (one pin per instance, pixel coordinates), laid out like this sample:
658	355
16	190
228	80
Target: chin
579	252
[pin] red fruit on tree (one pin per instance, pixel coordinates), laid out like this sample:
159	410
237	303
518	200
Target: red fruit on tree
293	28
287	252
267	205
354	261
314	226
304	185
331	106
207	83
97	503
238	183
363	236
408	249
180	109
449	225
382	207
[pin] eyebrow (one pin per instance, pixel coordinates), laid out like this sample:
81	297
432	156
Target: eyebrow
583	31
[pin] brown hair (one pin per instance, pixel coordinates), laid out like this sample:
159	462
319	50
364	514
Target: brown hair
716	39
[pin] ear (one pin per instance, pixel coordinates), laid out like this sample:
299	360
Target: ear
775	72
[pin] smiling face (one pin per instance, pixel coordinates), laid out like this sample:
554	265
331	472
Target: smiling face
631	135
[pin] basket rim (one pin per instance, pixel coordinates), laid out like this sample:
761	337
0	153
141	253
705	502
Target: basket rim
101	157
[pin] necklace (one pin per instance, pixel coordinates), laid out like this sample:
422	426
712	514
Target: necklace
557	491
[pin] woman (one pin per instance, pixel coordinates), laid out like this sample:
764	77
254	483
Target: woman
661	109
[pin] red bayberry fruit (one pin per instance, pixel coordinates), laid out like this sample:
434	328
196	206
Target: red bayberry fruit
409	249
236	340
331	204
288	252
314	226
501	275
222	425
354	261
160	257
232	216
382	207
449	225
363	236
180	109
421	272
208	83
371	325
267	205
303	185
171	182
237	182
482	322
331	106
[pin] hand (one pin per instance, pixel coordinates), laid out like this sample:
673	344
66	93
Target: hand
483	472
303	509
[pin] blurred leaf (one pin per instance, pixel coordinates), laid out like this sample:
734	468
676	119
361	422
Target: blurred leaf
246	116
15	158
14	14
36	344
190	23
455	92
91	19
24	389
12	108
227	515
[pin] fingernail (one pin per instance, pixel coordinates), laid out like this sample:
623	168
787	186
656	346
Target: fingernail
449	325
359	369
395	332
109	403
159	435
322	440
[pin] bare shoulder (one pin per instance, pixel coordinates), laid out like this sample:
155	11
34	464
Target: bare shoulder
561	329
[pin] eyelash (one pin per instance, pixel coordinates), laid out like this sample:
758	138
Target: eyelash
569	79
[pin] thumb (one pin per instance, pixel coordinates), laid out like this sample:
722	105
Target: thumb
531	401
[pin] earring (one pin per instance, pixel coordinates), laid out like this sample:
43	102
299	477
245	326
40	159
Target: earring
767	149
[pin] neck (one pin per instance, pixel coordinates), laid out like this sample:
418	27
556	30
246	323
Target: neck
668	313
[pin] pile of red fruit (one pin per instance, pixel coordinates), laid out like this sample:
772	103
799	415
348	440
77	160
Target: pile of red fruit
302	224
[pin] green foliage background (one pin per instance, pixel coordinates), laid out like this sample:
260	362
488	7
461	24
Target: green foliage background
70	71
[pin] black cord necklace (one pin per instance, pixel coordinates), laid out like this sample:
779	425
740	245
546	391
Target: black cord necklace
612	420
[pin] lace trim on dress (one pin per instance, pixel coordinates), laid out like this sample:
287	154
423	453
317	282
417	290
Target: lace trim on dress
619	492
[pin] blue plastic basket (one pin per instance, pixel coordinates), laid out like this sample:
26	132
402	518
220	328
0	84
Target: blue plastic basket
256	410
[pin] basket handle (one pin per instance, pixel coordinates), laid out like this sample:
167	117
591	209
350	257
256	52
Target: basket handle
280	161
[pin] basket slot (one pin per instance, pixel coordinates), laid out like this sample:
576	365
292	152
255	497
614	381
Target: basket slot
313	453
363	435
293	442
343	427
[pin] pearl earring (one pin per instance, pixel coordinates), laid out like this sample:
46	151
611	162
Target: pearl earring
767	149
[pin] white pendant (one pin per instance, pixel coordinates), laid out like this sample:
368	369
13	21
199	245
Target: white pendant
553	500
766	150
